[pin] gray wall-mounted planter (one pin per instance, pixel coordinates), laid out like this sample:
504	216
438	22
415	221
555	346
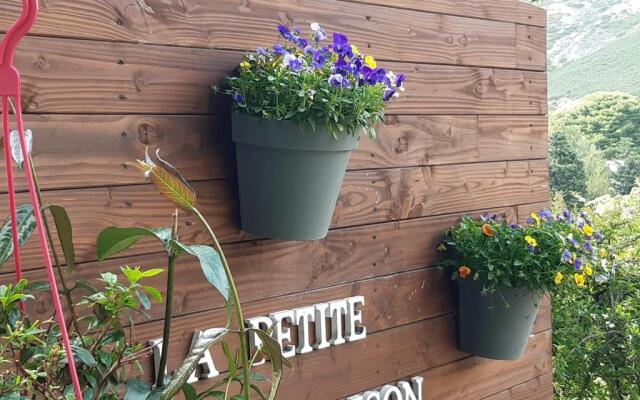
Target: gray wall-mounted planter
489	329
289	178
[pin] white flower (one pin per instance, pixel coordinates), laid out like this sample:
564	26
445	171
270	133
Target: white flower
315	26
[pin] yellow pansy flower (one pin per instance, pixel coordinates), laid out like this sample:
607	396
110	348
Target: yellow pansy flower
354	49
533	242
535	217
602	253
559	277
579	279
588	270
371	63
587	229
245	65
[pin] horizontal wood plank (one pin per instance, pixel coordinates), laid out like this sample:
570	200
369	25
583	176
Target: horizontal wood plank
111	78
366	197
423	37
66	146
413	192
476	377
540	388
441	89
347	255
500	10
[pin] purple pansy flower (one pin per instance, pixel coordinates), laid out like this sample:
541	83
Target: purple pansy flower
388	94
239	98
599	237
515	226
574	242
532	249
337	80
261	51
285	32
318	34
566	257
293	62
567	214
400	80
279	49
341	45
545	214
578	264
588	247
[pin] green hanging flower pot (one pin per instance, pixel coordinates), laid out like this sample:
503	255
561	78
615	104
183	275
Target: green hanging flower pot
289	177
496	325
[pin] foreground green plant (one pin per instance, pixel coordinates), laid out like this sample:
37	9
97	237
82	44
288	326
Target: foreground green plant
101	323
596	335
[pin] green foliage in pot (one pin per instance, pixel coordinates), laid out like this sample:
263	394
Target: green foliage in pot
548	252
302	80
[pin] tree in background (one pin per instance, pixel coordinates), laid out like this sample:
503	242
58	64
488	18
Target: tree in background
567	176
603	127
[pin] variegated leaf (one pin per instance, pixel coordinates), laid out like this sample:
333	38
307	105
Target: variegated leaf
169	182
16	150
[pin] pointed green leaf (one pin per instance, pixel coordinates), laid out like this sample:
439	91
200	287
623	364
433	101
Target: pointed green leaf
26	227
271	348
153	292
144	300
65	233
210	263
189	392
83	355
180	376
114	240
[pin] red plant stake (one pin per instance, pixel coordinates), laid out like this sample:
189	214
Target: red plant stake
10	87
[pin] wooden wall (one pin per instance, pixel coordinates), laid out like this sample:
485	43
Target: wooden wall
103	79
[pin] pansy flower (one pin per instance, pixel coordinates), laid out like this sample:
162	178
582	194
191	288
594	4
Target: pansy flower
337	80
558	278
239	98
341	45
464	271
286	33
578	264
318	33
579	279
488	230
279	49
293	62
566	257
588	247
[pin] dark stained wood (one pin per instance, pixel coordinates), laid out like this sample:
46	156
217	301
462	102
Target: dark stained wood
439	89
366	197
201	148
74	151
537	388
531	47
405	140
347	255
436	38
475	377
125	78
499	10
413	192
103	80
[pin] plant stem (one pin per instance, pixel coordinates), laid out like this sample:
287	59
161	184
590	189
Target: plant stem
168	311
244	348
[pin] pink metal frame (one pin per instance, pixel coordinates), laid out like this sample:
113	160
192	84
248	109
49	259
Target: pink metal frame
10	87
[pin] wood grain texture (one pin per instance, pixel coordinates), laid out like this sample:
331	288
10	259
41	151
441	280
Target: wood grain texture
531	48
403	193
474	378
366	197
441	89
75	151
346	256
405	140
434	38
540	388
110	78
200	145
500	10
